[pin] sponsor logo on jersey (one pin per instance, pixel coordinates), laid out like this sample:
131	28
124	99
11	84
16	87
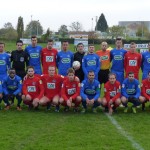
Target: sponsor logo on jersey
148	91
51	85
21	59
132	62
91	62
90	91
34	55
2	62
65	60
31	89
12	87
49	58
112	93
130	91
105	57
148	60
71	91
118	57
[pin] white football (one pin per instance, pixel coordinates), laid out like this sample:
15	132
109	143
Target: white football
76	64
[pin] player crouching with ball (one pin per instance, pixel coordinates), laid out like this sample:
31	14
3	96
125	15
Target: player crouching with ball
70	92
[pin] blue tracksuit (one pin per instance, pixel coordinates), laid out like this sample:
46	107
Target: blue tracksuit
34	54
64	62
91	62
130	89
145	64
117	58
4	65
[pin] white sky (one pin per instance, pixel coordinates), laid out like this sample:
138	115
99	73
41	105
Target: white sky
54	13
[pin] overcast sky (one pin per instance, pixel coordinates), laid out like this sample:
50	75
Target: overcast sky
54	13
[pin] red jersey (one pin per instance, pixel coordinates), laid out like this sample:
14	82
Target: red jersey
132	63
33	87
52	85
145	89
112	91
48	58
70	89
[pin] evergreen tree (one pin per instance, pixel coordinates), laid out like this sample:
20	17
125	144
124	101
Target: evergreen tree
101	24
20	28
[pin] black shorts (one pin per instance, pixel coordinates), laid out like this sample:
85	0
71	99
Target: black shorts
103	76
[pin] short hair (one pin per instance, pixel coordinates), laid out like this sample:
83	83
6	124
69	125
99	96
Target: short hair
30	67
33	37
91	71
65	42
130	73
104	42
132	43
2	43
70	70
118	39
91	45
19	41
80	44
12	69
50	40
51	66
111	74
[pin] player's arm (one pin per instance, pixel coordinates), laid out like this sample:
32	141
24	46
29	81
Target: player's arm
84	66
82	89
125	62
24	88
106	92
63	91
123	90
19	87
97	92
97	65
140	61
4	86
138	91
41	87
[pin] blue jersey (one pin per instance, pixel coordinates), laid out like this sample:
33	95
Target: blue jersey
4	65
34	54
90	90
91	62
117	58
145	64
1	89
64	62
12	86
130	88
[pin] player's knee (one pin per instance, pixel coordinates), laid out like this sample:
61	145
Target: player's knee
118	101
104	102
123	99
61	100
78	99
142	99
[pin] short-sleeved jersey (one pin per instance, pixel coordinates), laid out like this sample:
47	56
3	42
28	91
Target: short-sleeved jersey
145	89
70	89
64	61
130	89
132	63
52	85
12	86
105	59
117	58
34	54
90	90
48	58
112	91
33	87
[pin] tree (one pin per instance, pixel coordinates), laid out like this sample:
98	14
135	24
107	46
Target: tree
47	35
20	27
116	31
76	26
34	28
101	24
8	32
63	31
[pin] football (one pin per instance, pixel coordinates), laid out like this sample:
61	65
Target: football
76	65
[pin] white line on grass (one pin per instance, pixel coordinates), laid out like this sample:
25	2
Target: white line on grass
124	133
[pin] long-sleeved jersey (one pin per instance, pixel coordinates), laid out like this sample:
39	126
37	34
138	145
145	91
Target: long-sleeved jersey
79	73
91	62
52	85
34	54
33	87
130	89
90	90
12	86
64	61
132	63
70	89
145	89
112	91
145	66
105	59
48	58
4	65
19	59
117	58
